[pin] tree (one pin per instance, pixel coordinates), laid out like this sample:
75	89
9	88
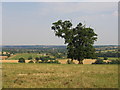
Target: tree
105	58
37	59
21	60
8	55
79	40
99	61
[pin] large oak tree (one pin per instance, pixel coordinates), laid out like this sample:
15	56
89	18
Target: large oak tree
79	39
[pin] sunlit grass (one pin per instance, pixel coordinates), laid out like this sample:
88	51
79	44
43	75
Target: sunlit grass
59	76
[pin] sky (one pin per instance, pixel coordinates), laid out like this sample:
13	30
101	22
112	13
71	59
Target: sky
59	0
29	23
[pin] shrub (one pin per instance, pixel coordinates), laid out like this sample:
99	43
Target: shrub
99	61
105	58
29	58
31	61
51	61
117	61
37	58
42	59
21	60
45	60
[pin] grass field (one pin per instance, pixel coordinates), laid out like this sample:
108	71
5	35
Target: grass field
24	55
109	58
59	76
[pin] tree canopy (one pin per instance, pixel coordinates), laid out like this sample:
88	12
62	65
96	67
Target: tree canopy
79	39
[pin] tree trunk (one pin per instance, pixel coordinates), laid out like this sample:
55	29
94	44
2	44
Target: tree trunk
71	60
80	61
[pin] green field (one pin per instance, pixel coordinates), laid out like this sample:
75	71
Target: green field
24	55
59	76
109	58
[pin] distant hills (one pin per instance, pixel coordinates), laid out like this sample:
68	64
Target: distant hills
49	45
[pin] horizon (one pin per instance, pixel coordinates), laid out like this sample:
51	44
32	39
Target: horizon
57	45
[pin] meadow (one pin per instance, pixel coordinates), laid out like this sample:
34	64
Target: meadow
24	55
29	75
109	58
34	55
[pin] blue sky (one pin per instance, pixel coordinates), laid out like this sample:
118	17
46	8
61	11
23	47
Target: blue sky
29	23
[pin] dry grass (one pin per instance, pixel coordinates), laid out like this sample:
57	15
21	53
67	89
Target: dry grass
3	57
12	61
62	61
85	61
59	76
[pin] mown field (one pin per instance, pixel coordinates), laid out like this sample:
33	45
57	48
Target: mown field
59	76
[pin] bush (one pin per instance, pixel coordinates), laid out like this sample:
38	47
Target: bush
46	58
31	61
70	62
99	61
51	61
117	61
21	60
105	58
37	58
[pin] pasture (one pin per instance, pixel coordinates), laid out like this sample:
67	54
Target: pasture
109	58
30	75
24	55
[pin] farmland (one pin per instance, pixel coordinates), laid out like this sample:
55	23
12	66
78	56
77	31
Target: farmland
25	55
53	75
59	76
14	52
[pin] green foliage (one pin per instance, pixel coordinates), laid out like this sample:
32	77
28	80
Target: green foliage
117	61
46	58
36	58
24	55
99	61
31	61
80	39
51	61
21	60
105	58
